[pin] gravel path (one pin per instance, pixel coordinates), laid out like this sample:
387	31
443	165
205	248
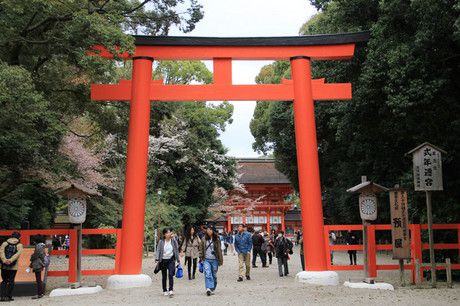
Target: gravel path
265	288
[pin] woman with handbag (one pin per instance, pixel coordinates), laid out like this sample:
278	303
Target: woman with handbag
166	256
211	256
191	249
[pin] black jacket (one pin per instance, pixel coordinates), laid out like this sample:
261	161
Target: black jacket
257	241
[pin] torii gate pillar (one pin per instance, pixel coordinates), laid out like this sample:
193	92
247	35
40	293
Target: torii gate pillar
132	232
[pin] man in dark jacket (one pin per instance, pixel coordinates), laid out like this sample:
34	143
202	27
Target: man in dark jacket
257	241
10	251
283	247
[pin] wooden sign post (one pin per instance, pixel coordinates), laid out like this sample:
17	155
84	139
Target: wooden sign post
427	163
368	211
76	195
400	227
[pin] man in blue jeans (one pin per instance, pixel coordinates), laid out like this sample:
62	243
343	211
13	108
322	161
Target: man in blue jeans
243	246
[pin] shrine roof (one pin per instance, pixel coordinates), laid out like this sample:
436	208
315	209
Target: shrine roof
358	38
260	171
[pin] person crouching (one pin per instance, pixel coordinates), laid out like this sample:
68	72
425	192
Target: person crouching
211	257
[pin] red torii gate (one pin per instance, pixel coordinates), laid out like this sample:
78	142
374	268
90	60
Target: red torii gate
300	50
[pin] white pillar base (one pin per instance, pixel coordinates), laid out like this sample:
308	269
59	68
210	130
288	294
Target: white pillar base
77	291
363	285
128	281
322	278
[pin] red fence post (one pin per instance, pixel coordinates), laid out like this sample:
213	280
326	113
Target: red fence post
371	251
416	249
118	251
327	247
72	278
25	238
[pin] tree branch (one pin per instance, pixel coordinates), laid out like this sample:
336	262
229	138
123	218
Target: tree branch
136	8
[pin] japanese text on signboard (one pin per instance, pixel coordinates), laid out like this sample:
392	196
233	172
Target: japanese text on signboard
399	224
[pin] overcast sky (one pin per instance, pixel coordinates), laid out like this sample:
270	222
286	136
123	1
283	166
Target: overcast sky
230	18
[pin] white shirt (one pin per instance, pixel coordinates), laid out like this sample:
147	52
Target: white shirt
168	251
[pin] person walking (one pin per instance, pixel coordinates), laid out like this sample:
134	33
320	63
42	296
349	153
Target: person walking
243	246
211	257
352	240
283	248
332	239
229	241
191	248
10	251
270	248
166	255
38	261
302	257
257	242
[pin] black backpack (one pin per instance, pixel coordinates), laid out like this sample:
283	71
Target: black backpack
10	250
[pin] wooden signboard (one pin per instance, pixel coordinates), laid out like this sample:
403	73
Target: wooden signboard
399	224
427	168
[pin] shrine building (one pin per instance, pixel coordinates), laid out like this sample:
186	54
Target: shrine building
264	207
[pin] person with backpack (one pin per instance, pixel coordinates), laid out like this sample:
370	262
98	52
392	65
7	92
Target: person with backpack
283	247
166	255
191	249
10	251
211	257
38	261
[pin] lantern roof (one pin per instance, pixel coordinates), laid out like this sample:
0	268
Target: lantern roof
69	187
367	187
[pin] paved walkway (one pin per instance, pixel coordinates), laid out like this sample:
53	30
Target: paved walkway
265	288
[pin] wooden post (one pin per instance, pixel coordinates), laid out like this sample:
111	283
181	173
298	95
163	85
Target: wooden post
430	238
268	223
371	252
365	243
79	249
72	276
417	273
401	273
117	251
416	251
448	273
229	224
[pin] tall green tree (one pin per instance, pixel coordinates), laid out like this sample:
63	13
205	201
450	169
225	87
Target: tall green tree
44	90
405	84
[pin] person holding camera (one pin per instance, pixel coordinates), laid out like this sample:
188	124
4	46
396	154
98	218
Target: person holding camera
283	247
10	251
211	257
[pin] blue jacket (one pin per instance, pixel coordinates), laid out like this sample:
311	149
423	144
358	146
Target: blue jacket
243	243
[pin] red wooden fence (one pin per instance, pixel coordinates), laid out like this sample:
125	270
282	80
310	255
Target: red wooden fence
71	272
416	247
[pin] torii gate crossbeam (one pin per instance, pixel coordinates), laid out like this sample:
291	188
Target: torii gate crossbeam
302	90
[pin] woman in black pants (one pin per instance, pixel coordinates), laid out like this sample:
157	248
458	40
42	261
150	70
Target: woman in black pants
191	249
167	254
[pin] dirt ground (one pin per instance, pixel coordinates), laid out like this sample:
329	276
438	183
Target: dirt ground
265	288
